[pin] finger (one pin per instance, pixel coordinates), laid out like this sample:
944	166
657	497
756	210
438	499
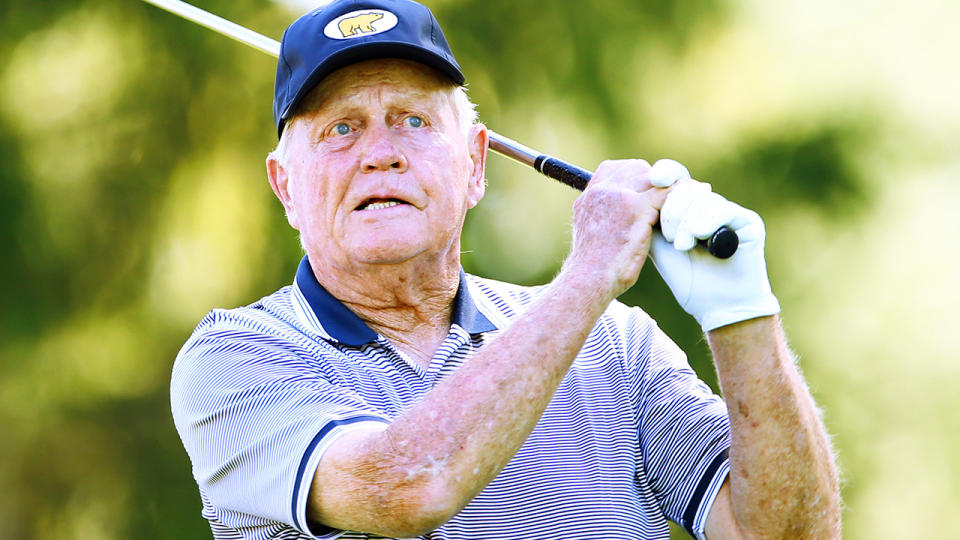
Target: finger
748	225
656	197
678	202
711	211
708	214
665	172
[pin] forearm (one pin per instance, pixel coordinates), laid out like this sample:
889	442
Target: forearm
783	479
437	456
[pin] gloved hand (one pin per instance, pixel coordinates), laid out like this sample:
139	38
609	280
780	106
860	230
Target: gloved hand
717	292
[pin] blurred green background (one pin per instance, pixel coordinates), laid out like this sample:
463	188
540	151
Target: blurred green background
133	199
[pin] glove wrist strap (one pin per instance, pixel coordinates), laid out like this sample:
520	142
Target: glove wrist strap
768	305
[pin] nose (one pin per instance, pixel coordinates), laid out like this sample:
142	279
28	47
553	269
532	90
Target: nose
379	151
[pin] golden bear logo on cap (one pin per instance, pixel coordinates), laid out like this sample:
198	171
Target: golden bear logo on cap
365	22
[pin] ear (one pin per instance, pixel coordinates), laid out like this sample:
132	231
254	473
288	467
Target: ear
477	141
280	182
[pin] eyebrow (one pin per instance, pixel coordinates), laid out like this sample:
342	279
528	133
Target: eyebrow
350	102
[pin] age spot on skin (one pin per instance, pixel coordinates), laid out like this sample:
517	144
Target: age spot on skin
742	408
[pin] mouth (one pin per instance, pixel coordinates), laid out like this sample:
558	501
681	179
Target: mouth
379	204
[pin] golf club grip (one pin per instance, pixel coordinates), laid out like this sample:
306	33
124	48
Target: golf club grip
722	244
567	173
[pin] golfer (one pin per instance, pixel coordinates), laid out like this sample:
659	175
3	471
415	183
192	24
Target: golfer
388	393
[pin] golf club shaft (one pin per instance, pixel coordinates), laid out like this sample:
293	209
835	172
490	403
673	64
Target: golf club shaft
220	25
723	243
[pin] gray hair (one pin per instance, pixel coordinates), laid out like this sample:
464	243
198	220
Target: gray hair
465	109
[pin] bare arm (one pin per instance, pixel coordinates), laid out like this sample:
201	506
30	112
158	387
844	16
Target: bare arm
783	481
430	462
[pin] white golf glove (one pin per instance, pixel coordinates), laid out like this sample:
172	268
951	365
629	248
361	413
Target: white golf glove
717	292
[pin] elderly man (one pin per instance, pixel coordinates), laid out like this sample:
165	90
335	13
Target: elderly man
386	392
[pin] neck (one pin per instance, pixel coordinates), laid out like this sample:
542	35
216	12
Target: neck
409	303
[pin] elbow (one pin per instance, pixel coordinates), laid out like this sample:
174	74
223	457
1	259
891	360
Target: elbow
811	521
413	526
365	485
432	514
390	509
420	511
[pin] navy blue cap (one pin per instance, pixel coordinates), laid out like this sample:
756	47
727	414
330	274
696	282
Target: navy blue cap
344	32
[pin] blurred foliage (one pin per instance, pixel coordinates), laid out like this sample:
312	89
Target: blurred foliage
134	200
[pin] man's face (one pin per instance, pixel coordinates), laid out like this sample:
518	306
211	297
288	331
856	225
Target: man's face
379	168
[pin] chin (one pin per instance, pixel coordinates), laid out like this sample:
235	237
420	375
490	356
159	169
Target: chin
386	253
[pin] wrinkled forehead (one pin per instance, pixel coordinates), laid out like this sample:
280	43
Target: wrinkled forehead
401	79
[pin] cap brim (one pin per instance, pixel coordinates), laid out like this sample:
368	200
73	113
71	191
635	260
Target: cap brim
369	51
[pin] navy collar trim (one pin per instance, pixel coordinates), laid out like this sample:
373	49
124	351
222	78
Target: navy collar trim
346	327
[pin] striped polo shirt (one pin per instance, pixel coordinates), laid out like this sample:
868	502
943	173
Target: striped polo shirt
630	439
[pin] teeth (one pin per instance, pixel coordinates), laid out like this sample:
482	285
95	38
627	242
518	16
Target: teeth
379	205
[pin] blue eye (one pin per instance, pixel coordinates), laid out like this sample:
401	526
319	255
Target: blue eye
341	129
414	121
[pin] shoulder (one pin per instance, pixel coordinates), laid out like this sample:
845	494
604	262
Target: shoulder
260	333
628	324
271	315
232	351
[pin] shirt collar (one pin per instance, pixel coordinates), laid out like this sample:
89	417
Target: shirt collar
339	323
